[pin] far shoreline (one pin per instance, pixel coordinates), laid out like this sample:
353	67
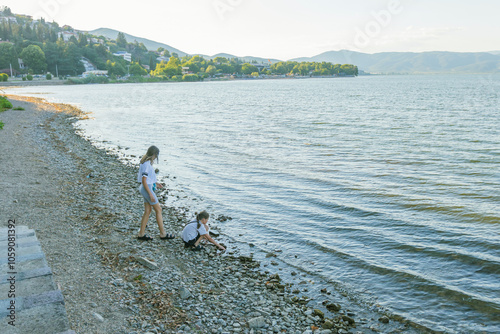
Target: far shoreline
144	80
66	82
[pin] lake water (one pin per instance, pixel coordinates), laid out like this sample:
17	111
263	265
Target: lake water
385	188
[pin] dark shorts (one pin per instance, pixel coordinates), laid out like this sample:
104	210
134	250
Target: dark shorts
191	242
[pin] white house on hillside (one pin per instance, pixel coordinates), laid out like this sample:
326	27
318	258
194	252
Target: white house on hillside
163	58
96	73
88	65
8	19
21	64
127	56
96	40
66	35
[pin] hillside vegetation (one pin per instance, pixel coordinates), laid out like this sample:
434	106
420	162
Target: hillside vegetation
47	47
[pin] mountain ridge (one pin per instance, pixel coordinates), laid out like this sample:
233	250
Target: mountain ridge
148	43
382	62
413	62
153	46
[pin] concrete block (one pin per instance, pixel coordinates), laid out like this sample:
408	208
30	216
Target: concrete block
19	234
25	266
39	306
23	275
48	318
23	258
145	262
28	287
22	242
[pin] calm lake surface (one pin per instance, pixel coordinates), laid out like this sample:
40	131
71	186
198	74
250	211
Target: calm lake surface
385	188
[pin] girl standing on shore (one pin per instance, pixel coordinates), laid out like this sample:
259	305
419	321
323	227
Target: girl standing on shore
196	231
147	178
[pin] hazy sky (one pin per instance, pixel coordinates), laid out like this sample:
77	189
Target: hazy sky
286	29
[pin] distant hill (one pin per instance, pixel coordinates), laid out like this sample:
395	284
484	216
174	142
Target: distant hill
384	62
149	44
153	46
248	59
410	62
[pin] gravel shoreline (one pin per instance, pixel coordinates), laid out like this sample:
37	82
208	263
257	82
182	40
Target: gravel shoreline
85	207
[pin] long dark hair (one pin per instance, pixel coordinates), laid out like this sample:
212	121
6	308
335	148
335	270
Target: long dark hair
152	153
202	215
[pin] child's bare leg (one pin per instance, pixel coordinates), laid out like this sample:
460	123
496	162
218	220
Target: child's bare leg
159	219
145	218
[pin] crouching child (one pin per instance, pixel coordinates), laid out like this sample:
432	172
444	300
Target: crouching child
196	231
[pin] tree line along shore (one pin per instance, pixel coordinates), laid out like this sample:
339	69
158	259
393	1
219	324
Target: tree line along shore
35	47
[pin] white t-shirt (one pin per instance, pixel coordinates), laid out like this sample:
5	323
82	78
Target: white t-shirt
190	231
146	170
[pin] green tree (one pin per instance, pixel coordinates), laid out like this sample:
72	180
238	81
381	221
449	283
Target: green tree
221	60
27	32
34	58
102	51
302	69
194	63
41	31
138	51
82	40
8	56
115	68
349	69
279	68
91	53
172	68
6	11
248	68
190	77
121	41
226	68
52	55
52	35
152	62
211	70
137	70
69	62
72	39
159	71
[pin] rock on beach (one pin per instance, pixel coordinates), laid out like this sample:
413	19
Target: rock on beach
258	322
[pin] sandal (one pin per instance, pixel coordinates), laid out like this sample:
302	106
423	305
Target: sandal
145	238
168	236
197	248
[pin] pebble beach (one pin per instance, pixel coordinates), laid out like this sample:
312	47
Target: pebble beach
84	204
